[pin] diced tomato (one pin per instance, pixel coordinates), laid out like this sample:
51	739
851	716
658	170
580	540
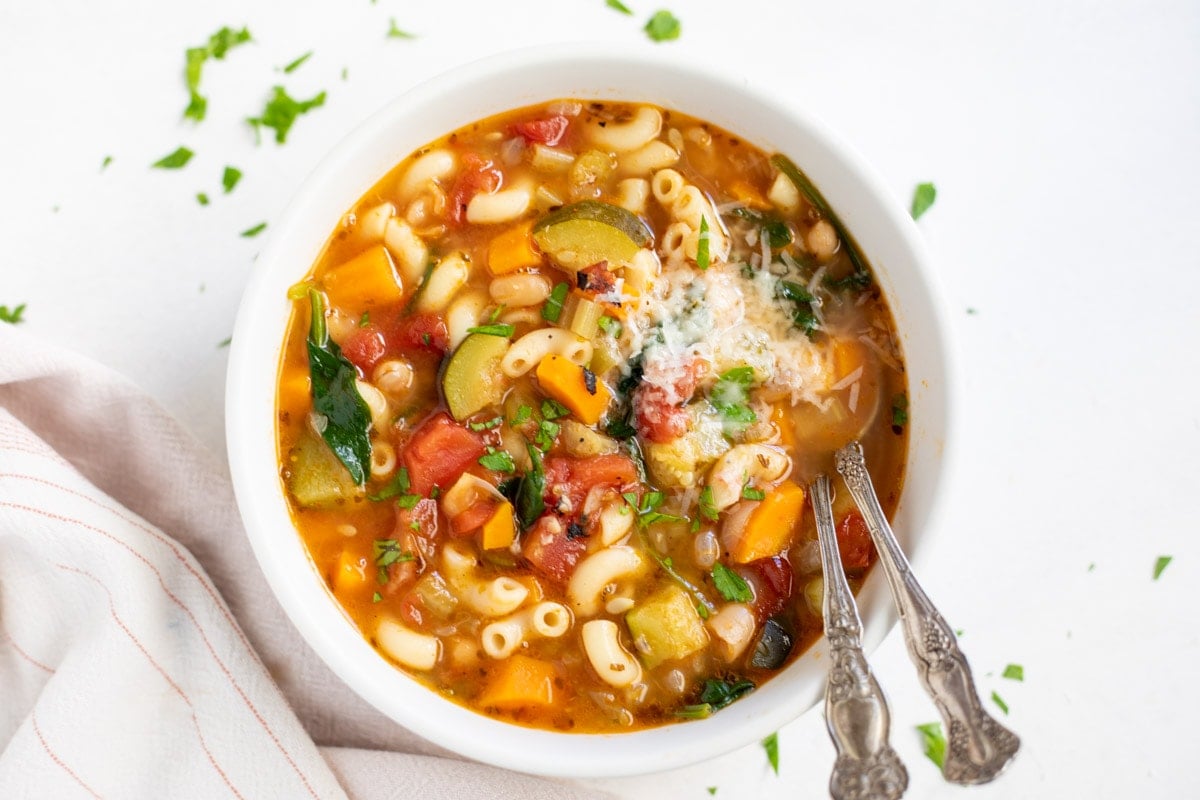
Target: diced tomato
854	541
412	610
365	347
597	278
549	549
473	518
438	452
476	175
772	580
658	403
419	332
573	478
546	130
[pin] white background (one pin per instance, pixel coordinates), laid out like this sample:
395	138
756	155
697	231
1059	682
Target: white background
1064	139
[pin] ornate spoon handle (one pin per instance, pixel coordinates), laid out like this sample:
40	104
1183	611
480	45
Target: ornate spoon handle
978	748
856	711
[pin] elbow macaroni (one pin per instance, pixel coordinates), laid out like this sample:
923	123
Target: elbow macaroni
491	598
608	658
408	647
597	575
501	638
528	351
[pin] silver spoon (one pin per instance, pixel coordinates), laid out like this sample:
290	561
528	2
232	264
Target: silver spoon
978	748
856	712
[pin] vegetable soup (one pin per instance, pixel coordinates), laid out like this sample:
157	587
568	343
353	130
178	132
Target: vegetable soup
549	402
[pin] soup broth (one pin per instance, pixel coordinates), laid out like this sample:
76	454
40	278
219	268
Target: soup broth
549	402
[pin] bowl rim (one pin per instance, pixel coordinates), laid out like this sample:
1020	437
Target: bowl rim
294	580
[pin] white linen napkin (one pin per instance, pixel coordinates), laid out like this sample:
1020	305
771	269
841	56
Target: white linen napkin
141	653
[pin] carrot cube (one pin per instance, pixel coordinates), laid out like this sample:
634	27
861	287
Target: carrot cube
519	682
366	281
771	526
573	386
512	250
500	530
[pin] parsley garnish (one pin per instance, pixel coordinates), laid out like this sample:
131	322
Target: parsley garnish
617	5
530	500
388	552
365	319
377	597
104	164
230	178
12	316
899	412
494	422
495	315
935	742
733	587
394	31
1160	565
503	330
397	486
499	460
778	234
1014	672
218	45
552	310
771	746
750	493
221	345
523	415
281	112
707	508
923	197
409	502
552	409
610	326
663	27
250	233
202	198
729	396
547	432
295	65
175	160
712	790
1003	706
702	244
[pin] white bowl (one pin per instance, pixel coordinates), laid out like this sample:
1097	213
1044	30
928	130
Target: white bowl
878	222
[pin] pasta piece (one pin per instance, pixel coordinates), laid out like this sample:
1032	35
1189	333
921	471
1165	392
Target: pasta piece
465	311
597	575
528	351
666	185
505	205
547	619
491	598
407	248
632	194
649	157
612	662
745	463
621	137
408	647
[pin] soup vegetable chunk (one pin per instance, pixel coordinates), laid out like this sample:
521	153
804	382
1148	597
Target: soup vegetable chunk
549	402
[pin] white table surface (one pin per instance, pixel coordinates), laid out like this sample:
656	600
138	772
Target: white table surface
1064	139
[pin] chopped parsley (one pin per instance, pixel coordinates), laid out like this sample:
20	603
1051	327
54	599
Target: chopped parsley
729	395
395	32
230	178
104	164
663	27
530	500
376	598
934	741
712	790
771	746
499	460
617	5
1160	565
388	552
299	62
552	310
648	512
750	493
547	432
702	244
707	505
281	111
365	319
398	485
999	701
202	198
716	694
610	326
219	44
923	197
1014	672
552	409
221	345
175	160
733	587
502	329
409	502
523	415
494	422
250	233
778	234
13	316
495	315
803	316
899	412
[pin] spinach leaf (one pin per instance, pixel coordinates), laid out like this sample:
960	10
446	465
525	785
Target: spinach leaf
530	492
803	316
348	420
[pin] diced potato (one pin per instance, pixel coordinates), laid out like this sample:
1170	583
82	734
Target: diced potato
666	626
680	463
583	442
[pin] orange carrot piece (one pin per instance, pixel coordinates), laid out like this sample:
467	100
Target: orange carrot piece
771	526
366	281
513	250
519	682
566	382
500	530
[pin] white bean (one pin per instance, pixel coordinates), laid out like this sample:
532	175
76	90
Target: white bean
445	280
433	166
502	206
742	464
520	289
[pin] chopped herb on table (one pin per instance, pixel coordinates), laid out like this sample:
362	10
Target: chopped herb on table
336	397
617	5
219	44
923	197
771	746
202	198
1014	672
281	111
663	27
230	178
12	316
295	65
250	233
1160	565
1003	706
394	31
104	164
934	741
224	342
176	160
899	412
